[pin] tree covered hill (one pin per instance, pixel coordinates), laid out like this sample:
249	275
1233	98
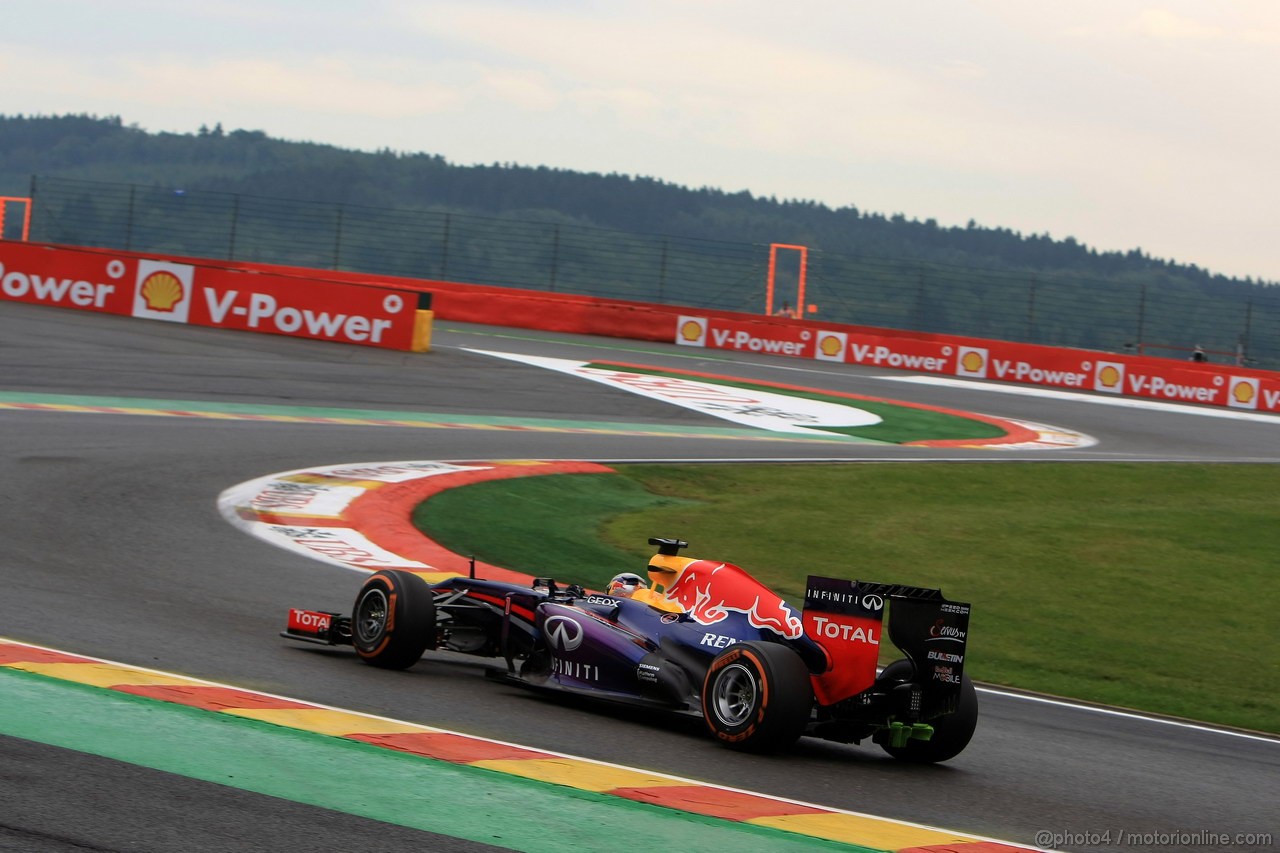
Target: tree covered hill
250	162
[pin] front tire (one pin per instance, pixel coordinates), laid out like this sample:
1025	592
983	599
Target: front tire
393	620
757	697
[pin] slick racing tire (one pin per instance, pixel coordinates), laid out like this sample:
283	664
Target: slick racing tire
393	620
898	671
757	697
951	734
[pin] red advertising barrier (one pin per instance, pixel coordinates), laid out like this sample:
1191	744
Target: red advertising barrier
523	309
975	358
206	294
355	308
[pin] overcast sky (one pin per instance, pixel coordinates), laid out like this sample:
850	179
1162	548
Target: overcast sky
1122	123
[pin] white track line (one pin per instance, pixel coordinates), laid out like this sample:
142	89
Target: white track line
1077	397
1131	715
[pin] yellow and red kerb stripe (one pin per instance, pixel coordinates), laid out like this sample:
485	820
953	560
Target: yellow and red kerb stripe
551	768
383	512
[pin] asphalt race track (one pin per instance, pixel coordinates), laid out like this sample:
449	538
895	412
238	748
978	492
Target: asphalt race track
111	546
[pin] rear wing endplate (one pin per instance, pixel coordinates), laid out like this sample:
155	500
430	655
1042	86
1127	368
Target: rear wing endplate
845	618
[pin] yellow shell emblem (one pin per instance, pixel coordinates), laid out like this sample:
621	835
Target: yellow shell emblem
162	291
830	346
1243	392
1108	377
972	361
691	330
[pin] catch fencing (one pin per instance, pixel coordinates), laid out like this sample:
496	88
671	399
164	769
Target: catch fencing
1154	313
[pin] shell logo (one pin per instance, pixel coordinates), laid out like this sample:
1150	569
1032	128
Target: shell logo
162	291
691	331
1243	393
972	361
830	346
1108	376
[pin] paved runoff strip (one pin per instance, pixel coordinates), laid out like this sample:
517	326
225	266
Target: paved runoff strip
409	774
1018	435
376	417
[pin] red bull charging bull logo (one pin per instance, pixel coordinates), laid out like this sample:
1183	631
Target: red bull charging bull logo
708	591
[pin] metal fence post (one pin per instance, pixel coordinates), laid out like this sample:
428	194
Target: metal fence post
235	219
337	240
555	255
444	248
1031	311
1243	354
128	227
919	306
662	272
1142	315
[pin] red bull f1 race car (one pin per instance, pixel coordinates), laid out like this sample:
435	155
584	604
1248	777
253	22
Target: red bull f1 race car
705	638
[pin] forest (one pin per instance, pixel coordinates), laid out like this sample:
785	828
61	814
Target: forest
98	180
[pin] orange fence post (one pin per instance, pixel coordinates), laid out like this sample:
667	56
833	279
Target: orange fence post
773	270
26	217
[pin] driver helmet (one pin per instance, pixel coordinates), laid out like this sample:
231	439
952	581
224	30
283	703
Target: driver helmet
625	584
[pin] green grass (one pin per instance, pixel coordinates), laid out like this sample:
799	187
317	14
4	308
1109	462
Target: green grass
1146	586
547	525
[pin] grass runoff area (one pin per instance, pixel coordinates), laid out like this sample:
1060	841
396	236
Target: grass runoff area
1148	586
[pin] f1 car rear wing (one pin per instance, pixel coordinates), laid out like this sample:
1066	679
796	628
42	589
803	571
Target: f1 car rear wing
933	633
845	618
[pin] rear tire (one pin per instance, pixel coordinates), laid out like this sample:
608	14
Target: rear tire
898	671
393	620
951	734
757	697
